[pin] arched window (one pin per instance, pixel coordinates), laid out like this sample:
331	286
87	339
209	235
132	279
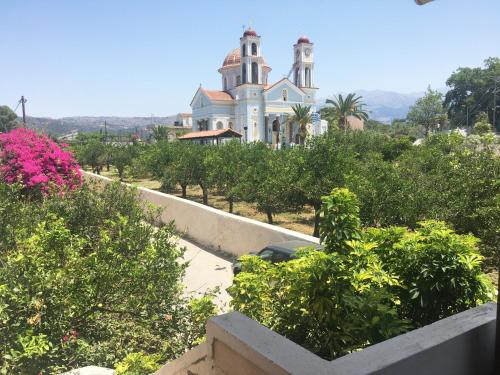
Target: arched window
285	95
219	125
225	83
255	73
308	77
296	77
244	72
254	49
243	50
230	124
238	80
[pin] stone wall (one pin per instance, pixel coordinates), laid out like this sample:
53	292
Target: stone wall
214	228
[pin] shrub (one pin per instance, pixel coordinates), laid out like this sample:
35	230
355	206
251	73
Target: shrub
367	286
37	162
137	364
89	282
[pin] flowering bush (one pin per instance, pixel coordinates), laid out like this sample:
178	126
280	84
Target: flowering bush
37	162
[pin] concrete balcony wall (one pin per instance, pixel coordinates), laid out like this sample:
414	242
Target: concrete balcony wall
211	227
462	344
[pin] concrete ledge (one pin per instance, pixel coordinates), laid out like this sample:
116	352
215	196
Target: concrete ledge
214	228
458	345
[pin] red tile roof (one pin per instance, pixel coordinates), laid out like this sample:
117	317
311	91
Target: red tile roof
217	95
212	134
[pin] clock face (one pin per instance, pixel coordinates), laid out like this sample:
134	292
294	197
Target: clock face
307	51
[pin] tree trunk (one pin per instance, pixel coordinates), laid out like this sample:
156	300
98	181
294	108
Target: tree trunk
230	200
205	194
269	216
107	167
317	211
183	190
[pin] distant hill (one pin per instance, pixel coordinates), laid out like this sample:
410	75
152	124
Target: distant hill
385	106
94	124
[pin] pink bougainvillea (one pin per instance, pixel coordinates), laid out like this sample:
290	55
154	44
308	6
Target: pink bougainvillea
37	162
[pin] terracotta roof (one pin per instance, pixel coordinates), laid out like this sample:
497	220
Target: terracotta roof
232	58
249	32
303	39
217	95
227	132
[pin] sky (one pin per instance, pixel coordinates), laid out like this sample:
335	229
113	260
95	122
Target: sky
138	58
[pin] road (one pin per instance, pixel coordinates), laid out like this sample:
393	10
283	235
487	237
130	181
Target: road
207	270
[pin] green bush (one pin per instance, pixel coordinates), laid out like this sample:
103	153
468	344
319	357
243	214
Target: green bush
138	364
367	286
84	279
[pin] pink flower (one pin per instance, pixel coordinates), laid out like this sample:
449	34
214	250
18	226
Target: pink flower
37	162
65	338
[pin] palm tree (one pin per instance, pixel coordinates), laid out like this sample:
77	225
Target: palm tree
302	116
351	105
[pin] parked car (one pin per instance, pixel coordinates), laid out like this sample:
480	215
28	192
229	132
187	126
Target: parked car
278	252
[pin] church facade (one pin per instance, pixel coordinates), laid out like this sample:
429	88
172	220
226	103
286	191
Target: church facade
248	103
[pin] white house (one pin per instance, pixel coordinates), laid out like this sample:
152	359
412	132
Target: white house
248	103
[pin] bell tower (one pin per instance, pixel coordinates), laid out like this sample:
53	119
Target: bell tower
303	75
251	61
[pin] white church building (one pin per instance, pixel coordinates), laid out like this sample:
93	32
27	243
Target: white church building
249	104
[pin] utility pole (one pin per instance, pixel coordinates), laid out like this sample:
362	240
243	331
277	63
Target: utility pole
23	101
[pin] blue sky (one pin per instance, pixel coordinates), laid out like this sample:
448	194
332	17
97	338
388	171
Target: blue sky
137	58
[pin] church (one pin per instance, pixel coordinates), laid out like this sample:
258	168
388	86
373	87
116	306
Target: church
252	106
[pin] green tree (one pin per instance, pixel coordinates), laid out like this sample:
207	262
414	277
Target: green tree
482	124
428	112
302	116
341	108
471	91
226	165
121	157
8	119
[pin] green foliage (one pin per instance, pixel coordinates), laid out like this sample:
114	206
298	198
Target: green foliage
428	112
339	220
471	93
482	124
366	286
341	108
138	364
302	116
85	280
8	119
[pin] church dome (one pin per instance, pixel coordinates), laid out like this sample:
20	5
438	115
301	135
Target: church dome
249	32
232	58
303	39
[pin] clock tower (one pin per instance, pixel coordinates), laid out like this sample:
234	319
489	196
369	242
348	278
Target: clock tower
303	63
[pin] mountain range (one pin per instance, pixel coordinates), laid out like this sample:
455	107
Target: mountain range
383	106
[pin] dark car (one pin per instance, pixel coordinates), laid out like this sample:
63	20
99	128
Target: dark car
279	252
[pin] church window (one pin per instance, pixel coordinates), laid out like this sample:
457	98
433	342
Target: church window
255	73
238	80
285	95
308	77
225	84
230	124
244	73
219	125
254	49
243	50
297	77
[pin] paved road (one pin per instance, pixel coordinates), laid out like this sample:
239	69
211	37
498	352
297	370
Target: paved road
206	271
